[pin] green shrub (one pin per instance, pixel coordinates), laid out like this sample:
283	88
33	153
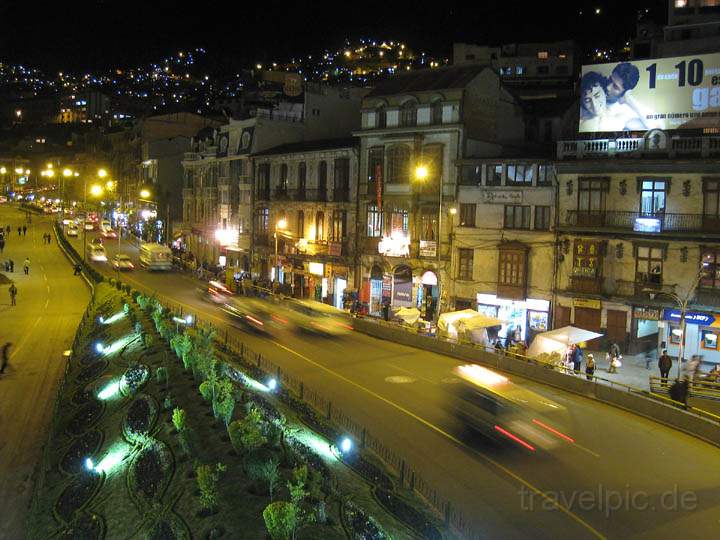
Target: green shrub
207	478
206	390
143	301
161	374
126	308
269	472
148	340
178	419
246	434
280	520
224	408
235	433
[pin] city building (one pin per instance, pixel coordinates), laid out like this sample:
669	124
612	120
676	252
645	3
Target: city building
638	235
305	215
415	127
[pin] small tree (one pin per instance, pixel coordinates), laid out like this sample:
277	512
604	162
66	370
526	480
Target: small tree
246	434
280	520
223	402
161	374
148	340
178	419
270	473
207	479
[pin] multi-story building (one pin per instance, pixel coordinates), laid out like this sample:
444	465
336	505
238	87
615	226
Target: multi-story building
415	127
504	241
638	234
305	214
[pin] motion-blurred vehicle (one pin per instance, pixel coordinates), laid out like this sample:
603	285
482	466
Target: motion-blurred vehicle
156	257
96	252
490	404
105	225
311	316
109	233
249	312
72	229
215	293
122	262
88	225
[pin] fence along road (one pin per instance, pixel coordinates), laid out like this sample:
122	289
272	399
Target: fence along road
403	397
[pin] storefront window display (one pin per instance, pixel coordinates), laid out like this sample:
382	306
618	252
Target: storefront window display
525	318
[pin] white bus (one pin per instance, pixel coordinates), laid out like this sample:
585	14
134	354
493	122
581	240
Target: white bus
156	257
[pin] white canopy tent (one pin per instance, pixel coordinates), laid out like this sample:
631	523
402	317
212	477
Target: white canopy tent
408	315
467	322
557	340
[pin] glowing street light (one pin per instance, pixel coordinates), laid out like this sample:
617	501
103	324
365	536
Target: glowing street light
3	170
18	170
421	172
145	193
67	173
102	173
96	190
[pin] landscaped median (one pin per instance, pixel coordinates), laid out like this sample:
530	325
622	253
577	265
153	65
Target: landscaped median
160	433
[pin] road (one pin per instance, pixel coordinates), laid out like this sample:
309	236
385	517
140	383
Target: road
659	478
50	304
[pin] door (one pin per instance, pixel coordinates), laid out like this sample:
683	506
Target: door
617	327
589	319
562	316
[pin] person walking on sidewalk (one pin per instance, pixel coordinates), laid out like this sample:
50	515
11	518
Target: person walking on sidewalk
13	293
24	230
590	367
26	266
5	356
2	245
664	364
577	357
614	358
19	231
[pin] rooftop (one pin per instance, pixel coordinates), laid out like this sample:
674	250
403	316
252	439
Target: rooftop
428	80
310	146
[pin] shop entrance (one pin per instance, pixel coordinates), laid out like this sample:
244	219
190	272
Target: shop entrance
339	292
427	296
589	319
617	327
376	290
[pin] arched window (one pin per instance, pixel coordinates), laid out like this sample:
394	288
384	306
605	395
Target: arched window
283	182
398	167
436	110
380	117
408	114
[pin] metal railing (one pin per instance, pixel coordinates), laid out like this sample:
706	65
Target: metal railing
696	389
618	219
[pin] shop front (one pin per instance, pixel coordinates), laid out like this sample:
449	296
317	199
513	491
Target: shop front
701	329
402	286
646	324
525	318
427	295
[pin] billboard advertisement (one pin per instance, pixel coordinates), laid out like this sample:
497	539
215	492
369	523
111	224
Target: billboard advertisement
663	93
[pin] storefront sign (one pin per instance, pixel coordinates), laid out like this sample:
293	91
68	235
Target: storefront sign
316	268
585	258
586	303
649	314
402	293
334	249
395	245
691	317
428	248
387	286
502	197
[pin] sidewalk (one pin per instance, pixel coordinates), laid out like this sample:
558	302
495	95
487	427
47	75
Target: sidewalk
50	304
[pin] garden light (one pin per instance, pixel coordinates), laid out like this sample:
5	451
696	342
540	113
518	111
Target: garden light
99	347
189	319
101	319
119	315
272	384
346	445
89	464
110	391
117	453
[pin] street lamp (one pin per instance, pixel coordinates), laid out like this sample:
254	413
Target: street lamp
279	226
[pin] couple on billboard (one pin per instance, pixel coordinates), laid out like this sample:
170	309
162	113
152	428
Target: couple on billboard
606	103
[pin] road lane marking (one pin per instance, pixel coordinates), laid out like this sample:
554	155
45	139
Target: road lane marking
457	441
411	373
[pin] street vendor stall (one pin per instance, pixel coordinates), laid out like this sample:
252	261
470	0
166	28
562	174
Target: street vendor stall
467	324
550	346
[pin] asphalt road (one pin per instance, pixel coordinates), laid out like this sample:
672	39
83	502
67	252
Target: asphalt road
50	304
623	476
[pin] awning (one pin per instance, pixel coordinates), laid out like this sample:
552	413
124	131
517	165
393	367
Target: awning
557	340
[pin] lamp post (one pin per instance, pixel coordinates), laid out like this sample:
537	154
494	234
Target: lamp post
421	174
279	226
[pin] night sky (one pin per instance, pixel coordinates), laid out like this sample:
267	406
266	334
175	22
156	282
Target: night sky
67	35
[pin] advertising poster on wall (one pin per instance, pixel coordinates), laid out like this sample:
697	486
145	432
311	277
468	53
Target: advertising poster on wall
662	93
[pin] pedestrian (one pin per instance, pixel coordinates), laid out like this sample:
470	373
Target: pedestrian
664	364
24	230
13	293
49	239
590	367
19	231
26	266
12	265
5	356
614	358
679	391
577	357
2	244
7	266
693	367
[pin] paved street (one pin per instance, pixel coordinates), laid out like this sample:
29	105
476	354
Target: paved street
50	303
405	397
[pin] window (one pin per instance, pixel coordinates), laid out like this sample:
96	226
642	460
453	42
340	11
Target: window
432	159
374	221
519	174
380	117
519	70
263	180
467	214
465	264
322	180
301	223
561	70
428	224
375	164
652	199
542	218
262	218
399	165
283	181
542	55
237	169
592	193
436	112
408	114
494	174
341	180
320	226
511	269
681	3
649	264
711	269
711	198
302	180
399	220
517	217
545	173
339	220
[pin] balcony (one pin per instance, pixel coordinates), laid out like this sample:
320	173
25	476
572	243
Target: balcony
642	285
635	147
341	195
263	194
641	222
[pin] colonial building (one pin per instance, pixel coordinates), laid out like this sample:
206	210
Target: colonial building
305	217
504	241
638	235
415	127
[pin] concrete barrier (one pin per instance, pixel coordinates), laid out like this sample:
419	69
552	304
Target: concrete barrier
632	400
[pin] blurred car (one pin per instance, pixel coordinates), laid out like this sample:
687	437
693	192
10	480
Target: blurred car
215	292
72	229
89	226
109	233
492	405
122	262
249	312
96	252
316	317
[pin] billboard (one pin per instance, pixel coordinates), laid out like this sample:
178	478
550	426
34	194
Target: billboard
663	93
